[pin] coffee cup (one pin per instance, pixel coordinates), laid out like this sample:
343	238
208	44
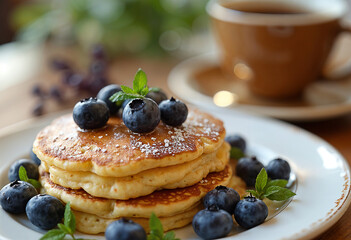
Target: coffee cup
277	47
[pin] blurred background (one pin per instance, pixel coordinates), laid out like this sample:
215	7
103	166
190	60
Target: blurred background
67	50
125	26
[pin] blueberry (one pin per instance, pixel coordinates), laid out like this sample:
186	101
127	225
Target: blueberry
124	229
141	115
250	212
29	165
91	113
212	223
237	141
125	102
248	168
278	169
34	158
45	211
223	197
105	93
15	195
173	112
158	96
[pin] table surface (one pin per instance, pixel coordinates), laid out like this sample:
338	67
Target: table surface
335	131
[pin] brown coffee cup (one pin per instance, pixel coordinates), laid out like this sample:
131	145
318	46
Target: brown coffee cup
277	46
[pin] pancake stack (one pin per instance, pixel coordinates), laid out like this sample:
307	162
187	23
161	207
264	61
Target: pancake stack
111	172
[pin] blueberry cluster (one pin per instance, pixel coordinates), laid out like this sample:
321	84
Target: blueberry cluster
17	197
216	221
249	167
140	115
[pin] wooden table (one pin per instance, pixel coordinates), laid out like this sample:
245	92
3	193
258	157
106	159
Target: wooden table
16	103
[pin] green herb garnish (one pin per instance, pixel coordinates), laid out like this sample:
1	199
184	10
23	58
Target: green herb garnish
156	230
68	227
271	189
236	153
22	173
140	89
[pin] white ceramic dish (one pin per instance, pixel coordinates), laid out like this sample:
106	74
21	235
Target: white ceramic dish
197	80
323	178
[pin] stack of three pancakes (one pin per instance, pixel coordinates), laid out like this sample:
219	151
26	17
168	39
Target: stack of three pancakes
111	172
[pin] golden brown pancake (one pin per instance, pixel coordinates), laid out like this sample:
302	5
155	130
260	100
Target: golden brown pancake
92	224
143	183
163	203
117	152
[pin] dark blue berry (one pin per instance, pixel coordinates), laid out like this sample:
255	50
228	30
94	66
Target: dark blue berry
15	195
60	64
124	229
248	168
34	158
223	197
125	102
105	93
173	112
278	169
91	113
157	96
141	115
45	211
38	109
56	93
98	52
29	165
237	141
212	223
250	212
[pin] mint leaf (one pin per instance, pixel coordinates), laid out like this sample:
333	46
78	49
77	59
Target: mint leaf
236	153
22	173
170	236
261	180
126	89
281	195
277	182
69	219
140	81
254	193
54	234
154	89
144	91
64	228
156	227
35	183
271	190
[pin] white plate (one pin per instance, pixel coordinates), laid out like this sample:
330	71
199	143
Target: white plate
198	79
323	177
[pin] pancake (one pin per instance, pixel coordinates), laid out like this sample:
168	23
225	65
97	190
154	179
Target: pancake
115	151
92	224
163	203
143	183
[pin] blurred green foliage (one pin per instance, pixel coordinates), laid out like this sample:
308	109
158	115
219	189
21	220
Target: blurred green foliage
122	26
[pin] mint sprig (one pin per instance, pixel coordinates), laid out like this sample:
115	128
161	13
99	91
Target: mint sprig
139	90
156	230
271	189
22	173
68	227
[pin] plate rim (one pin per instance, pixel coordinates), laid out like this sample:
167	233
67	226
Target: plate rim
313	230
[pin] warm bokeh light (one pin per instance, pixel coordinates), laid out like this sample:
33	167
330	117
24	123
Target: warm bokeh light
243	72
224	98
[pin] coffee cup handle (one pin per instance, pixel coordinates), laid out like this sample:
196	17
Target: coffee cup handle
343	72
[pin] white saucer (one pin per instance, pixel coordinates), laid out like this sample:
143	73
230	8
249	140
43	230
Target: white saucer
198	79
